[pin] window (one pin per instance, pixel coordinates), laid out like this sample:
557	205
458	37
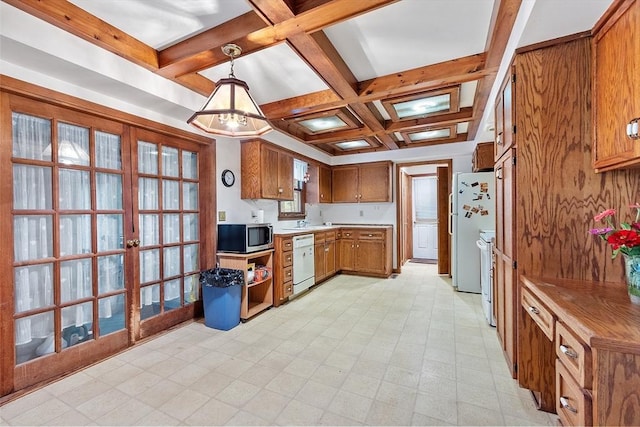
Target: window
294	209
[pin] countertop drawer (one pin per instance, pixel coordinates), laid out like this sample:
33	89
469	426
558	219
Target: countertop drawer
287	274
574	355
330	236
319	237
347	233
287	288
371	235
573	403
287	259
538	313
286	244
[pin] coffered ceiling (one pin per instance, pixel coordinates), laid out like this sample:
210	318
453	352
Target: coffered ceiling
343	76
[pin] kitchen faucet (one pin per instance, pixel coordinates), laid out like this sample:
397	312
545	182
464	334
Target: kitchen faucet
302	223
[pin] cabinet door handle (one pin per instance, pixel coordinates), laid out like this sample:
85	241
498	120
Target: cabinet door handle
370	235
632	128
564	402
534	310
568	351
499	139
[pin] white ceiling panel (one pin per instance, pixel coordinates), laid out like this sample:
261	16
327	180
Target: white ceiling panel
161	23
411	34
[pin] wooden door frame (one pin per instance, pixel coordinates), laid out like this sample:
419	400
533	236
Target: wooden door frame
443	264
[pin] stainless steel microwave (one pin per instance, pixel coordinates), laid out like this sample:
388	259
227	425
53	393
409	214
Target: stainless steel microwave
244	238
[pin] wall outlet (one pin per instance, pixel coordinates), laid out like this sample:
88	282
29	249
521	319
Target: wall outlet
361	213
222	215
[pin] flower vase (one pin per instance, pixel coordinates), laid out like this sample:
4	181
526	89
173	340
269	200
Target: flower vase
632	274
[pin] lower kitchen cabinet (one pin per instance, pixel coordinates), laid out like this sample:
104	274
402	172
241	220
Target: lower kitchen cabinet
257	295
325	255
365	251
283	269
581	361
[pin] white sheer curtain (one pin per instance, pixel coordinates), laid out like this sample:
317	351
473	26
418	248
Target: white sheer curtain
31	137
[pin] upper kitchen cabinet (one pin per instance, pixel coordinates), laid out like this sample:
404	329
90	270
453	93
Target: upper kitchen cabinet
504	129
617	88
482	160
368	182
267	172
319	185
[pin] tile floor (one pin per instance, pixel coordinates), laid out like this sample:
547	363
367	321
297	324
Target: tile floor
355	351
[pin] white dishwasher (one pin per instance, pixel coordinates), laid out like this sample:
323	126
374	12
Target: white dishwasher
303	263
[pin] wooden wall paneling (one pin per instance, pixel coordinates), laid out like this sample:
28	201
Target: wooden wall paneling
617	407
7	353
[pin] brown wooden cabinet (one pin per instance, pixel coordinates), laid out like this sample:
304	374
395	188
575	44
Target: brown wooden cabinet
504	117
482	160
584	359
283	269
368	182
616	88
365	251
266	171
319	185
325	255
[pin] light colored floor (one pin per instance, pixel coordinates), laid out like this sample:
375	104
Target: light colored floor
401	351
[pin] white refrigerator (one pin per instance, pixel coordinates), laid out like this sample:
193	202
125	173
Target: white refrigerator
471	209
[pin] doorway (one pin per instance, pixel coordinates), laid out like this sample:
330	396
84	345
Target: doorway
406	173
424	190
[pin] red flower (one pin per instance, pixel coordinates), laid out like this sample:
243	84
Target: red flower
624	238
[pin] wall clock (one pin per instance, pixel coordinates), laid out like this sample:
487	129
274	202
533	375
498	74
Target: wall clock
228	178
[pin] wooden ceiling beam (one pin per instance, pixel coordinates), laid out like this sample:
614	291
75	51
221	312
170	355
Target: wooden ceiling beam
77	21
464	115
274	11
502	20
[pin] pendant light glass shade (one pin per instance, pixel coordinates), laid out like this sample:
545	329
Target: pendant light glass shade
230	110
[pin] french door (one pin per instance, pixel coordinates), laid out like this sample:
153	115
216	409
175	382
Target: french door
105	237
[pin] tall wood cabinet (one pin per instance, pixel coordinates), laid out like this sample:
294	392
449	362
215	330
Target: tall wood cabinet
266	171
547	188
368	182
616	87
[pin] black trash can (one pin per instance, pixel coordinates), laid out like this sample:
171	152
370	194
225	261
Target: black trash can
221	297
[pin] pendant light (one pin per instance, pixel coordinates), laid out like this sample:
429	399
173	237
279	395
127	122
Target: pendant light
230	110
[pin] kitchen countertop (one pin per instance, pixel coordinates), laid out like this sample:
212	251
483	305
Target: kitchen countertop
313	228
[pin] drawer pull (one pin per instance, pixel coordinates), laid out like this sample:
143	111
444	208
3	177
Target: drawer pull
564	402
534	310
568	351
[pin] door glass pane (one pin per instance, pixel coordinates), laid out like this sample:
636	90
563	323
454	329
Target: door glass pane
147	158
190	196
149	265
191	288
170	164
190	258
108	154
108	191
149	234
172	294
75	189
171	228
148	193
110	273
171	261
31	137
75	234
73	144
76	324
170	195
111	314
189	165
34	336
190	227
31	187
75	280
33	287
149	301
109	232
32	237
